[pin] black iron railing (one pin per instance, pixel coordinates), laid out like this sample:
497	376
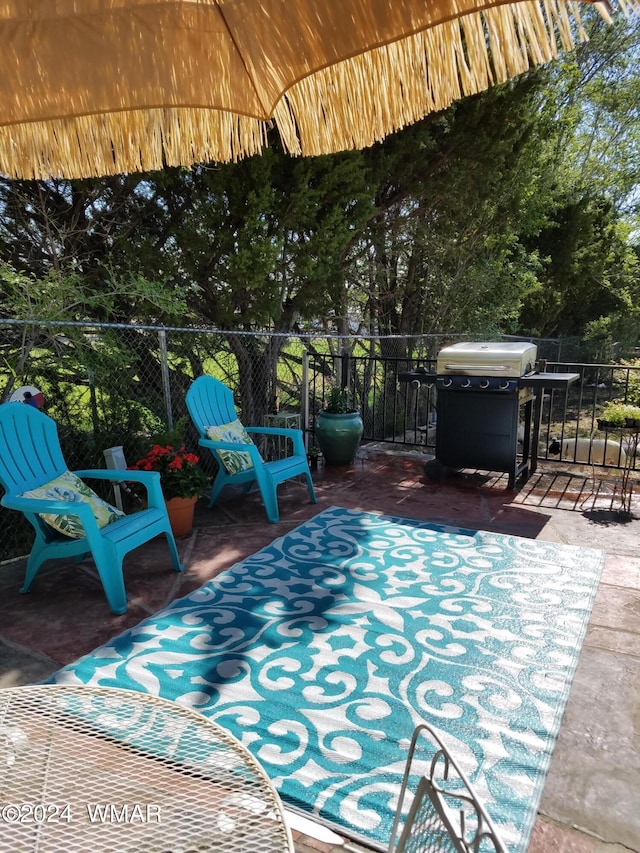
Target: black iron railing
404	413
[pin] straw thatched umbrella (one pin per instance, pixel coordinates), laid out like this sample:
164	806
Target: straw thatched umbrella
94	87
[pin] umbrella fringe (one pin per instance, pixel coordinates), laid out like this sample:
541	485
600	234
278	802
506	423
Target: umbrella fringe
128	141
398	84
351	104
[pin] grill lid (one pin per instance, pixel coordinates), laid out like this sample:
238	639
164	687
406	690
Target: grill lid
510	358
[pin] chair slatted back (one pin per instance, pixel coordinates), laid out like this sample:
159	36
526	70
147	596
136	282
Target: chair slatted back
30	453
210	403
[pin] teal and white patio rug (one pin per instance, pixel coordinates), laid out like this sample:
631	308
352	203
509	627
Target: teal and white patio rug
324	650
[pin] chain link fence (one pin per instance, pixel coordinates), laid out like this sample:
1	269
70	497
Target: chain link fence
124	386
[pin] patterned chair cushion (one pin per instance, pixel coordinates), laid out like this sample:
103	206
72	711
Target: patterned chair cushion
234	461
68	487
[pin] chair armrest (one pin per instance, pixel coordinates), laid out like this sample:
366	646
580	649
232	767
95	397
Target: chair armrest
286	431
118	475
149	479
294	434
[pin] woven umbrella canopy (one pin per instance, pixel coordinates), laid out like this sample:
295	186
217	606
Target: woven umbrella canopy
97	87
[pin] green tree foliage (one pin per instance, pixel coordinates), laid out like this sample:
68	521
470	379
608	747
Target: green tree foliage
77	253
596	100
263	240
453	197
77	370
259	244
577	250
589	284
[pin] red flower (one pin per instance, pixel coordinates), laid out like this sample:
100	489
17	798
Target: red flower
180	475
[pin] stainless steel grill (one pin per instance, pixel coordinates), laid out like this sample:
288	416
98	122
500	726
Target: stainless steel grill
489	397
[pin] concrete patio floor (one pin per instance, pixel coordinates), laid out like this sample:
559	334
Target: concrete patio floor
591	799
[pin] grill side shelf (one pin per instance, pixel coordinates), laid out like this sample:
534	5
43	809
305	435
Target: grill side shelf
549	380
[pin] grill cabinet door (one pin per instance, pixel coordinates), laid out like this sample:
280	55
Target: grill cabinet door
478	429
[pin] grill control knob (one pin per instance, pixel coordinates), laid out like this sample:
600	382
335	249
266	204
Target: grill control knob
504	384
447	382
466	383
484	383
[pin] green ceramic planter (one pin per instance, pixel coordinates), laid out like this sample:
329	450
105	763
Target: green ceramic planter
338	436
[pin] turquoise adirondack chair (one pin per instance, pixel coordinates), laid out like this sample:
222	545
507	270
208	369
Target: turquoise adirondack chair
31	462
213	412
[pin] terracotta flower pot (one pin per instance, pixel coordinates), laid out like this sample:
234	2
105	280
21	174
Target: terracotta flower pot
180	512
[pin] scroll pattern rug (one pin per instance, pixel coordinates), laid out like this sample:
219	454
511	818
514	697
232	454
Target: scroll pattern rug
324	650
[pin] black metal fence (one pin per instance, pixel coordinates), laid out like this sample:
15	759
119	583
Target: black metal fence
124	386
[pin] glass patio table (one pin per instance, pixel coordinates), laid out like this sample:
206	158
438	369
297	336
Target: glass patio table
105	769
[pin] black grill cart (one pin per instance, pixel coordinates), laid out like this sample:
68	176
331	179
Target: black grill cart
487	395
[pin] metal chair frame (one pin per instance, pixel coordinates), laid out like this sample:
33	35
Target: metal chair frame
433	824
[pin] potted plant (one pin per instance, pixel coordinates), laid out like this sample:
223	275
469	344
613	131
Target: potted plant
632	416
312	457
182	481
617	415
339	427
